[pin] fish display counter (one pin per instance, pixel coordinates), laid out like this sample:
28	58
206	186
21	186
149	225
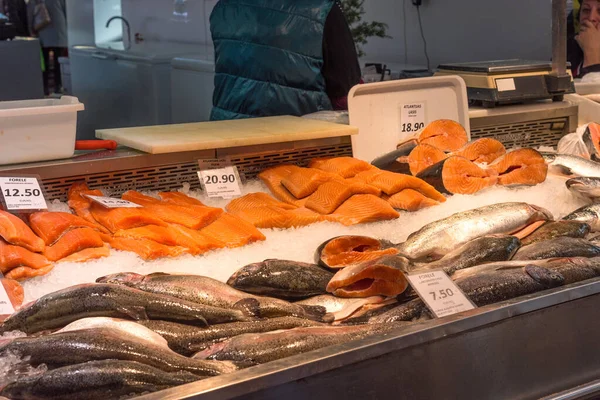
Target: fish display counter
310	281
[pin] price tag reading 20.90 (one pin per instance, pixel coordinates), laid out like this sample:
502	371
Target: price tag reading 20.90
22	193
221	182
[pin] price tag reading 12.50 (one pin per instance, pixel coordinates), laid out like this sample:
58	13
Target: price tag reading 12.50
22	193
221	182
412	117
441	295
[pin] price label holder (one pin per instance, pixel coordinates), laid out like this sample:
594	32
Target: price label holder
412	117
440	293
219	178
22	193
111	202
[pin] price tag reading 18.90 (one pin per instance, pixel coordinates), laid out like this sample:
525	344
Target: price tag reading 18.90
220	182
22	193
441	295
412	117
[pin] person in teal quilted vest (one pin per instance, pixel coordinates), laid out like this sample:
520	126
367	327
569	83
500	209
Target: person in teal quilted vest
281	57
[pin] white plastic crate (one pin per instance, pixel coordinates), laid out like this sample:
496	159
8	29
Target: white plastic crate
38	130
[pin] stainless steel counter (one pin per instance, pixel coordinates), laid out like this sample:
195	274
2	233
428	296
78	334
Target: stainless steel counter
525	348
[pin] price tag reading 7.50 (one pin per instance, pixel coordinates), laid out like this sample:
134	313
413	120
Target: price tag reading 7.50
220	182
22	193
441	295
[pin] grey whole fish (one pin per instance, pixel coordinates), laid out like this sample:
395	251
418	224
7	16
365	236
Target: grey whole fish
409	311
572	165
76	347
588	214
208	291
187	340
585	186
562	246
554	229
288	280
60	308
438	238
96	380
260	348
481	250
492	287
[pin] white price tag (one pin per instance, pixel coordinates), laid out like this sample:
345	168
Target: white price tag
111	202
6	307
441	295
412	117
221	182
22	193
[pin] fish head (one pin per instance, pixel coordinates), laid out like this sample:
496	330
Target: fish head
541	214
544	276
122	278
548	157
245	273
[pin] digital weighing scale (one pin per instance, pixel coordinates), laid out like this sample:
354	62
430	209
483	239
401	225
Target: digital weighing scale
490	83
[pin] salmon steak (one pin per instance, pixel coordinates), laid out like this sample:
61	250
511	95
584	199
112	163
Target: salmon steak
342	251
457	175
145	248
410	200
12	256
194	217
179	198
115	219
15	231
232	231
81	205
520	167
173	235
362	208
304	181
90	253
421	157
259	199
346	167
272	178
73	241
445	134
332	194
275	217
484	150
391	183
591	139
50	226
383	276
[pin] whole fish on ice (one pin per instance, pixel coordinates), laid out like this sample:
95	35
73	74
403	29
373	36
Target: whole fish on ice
283	279
438	238
558	247
568	164
208	291
96	380
588	214
554	229
585	186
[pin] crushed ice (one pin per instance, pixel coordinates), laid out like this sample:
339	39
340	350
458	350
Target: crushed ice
13	367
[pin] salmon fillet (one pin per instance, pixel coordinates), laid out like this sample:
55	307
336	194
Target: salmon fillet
22	273
275	217
16	256
81	204
15	231
145	248
410	200
362	208
232	231
331	195
272	178
73	241
14	291
115	219
304	181
51	225
90	253
520	167
140	199
346	167
391	183
252	200
179	198
172	235
445	134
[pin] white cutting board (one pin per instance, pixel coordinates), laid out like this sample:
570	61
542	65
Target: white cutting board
222	134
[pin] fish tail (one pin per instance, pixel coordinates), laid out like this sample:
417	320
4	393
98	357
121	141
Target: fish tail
249	307
316	313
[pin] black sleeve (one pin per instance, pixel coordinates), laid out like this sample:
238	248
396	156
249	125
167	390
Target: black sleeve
340	66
